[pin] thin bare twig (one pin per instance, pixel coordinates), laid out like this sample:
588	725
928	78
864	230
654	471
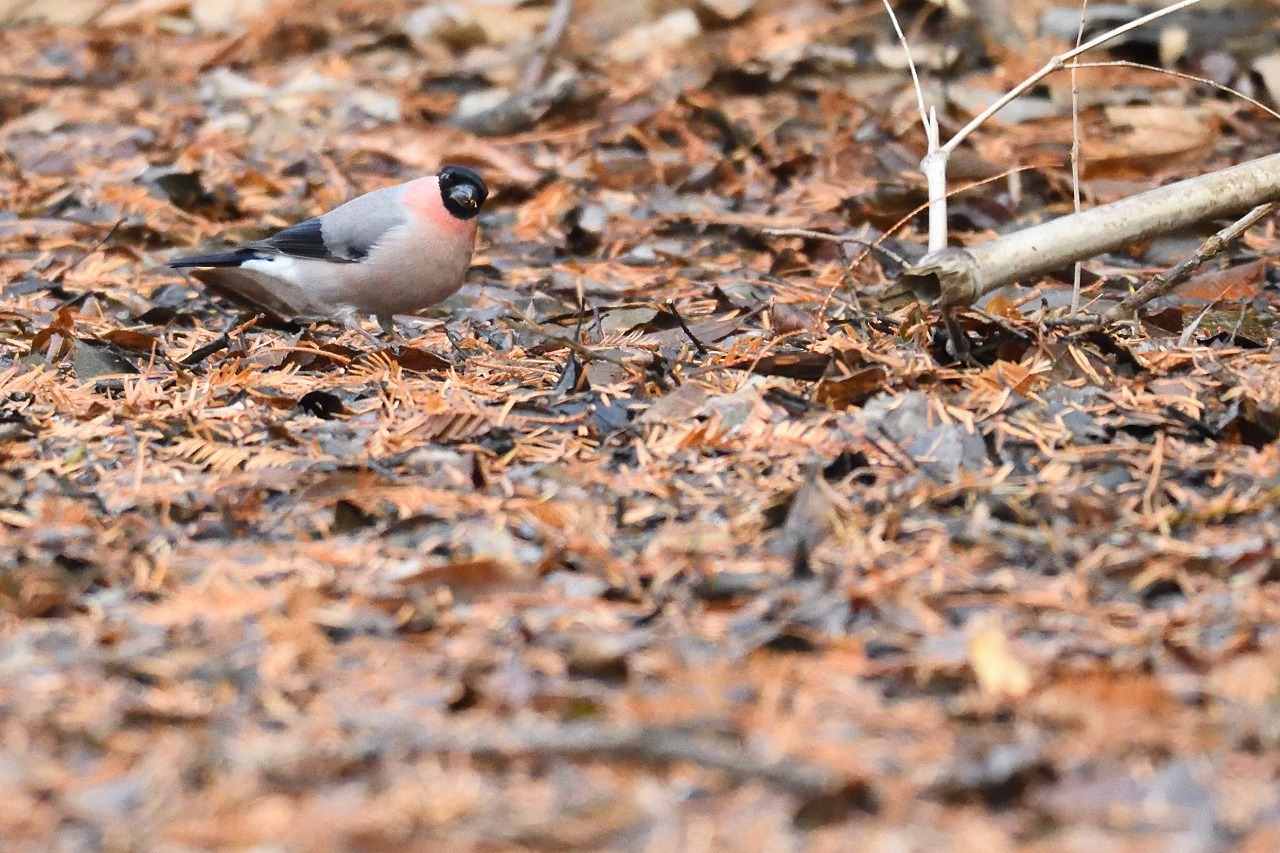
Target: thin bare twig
846	260
1077	272
911	65
1181	75
837	238
557	23
846	275
697	344
1056	63
1161	284
97	244
805	233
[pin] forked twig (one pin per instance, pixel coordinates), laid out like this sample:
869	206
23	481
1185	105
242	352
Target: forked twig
1057	63
1161	284
934	164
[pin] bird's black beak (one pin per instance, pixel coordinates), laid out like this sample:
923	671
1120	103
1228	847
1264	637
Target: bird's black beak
465	196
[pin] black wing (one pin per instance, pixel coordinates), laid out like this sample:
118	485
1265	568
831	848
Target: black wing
226	259
306	240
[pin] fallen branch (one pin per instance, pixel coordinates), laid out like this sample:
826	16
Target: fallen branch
934	164
959	276
633	743
1161	284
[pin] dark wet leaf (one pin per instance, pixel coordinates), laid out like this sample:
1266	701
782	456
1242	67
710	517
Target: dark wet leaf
573	378
92	361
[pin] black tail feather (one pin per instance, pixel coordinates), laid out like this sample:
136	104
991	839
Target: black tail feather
226	259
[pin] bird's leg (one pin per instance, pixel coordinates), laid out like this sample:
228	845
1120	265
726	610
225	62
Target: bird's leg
394	338
454	342
346	315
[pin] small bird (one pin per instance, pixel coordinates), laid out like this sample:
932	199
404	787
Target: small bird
393	251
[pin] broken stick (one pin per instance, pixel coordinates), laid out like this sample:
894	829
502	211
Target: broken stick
956	277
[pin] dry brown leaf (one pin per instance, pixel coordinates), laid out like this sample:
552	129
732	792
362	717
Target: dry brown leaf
998	670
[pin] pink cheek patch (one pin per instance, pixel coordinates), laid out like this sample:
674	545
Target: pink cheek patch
423	198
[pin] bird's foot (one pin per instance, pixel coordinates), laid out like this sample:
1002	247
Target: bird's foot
391	339
395	341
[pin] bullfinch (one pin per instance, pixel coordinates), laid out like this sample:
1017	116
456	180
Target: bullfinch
392	251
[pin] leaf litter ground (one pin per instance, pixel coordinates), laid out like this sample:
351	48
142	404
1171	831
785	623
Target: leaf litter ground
660	534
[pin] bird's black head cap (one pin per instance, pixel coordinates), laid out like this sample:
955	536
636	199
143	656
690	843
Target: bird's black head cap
463	191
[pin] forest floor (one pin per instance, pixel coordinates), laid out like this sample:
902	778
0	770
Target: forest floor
662	534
